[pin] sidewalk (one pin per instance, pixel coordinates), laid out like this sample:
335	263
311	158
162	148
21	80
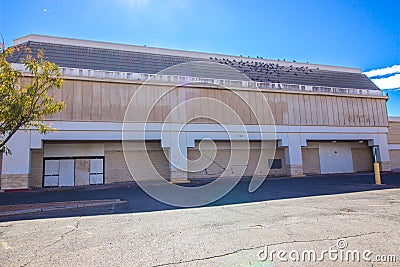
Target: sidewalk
6	210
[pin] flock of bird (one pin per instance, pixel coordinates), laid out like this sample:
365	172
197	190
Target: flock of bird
263	71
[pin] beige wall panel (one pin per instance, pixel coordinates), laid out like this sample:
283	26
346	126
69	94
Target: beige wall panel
331	114
218	108
271	102
96	102
246	107
77	102
394	159
362	159
340	111
105	101
319	109
296	109
68	97
269	115
82	171
254	118
224	97
87	101
36	169
308	115
374	120
210	111
152	94
354	116
384	112
181	99
346	116
370	113
165	104
156	109
360	107
311	160
314	110
380	111
366	111
302	108
359	112
336	113
351	114
57	96
324	111
377	116
255	111
290	113
189	107
204	105
277	111
284	108
394	133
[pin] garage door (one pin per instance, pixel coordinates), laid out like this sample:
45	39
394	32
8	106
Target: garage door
217	165
335	158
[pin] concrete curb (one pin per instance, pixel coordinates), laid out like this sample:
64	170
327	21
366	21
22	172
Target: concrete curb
54	206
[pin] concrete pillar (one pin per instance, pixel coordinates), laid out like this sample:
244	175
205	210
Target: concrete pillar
383	155
293	155
16	166
178	164
177	156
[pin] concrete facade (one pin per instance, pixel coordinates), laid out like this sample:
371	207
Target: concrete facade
312	129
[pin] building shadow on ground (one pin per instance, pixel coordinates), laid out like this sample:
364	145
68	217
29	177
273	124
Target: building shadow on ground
139	201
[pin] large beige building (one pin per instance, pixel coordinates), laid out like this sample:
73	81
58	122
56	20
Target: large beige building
316	119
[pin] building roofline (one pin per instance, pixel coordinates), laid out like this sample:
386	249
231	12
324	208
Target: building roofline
166	51
394	118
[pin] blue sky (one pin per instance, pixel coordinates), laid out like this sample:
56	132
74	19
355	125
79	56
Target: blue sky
362	34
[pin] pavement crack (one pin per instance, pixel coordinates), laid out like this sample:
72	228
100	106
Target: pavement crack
62	236
262	246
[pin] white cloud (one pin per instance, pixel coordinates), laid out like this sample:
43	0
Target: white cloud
391	82
384	71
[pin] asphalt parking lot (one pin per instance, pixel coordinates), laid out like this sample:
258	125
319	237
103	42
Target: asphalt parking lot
138	201
302	215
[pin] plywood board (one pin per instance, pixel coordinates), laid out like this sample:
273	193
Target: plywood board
82	170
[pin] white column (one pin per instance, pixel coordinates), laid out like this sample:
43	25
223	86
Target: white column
178	157
16	166
383	155
293	155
